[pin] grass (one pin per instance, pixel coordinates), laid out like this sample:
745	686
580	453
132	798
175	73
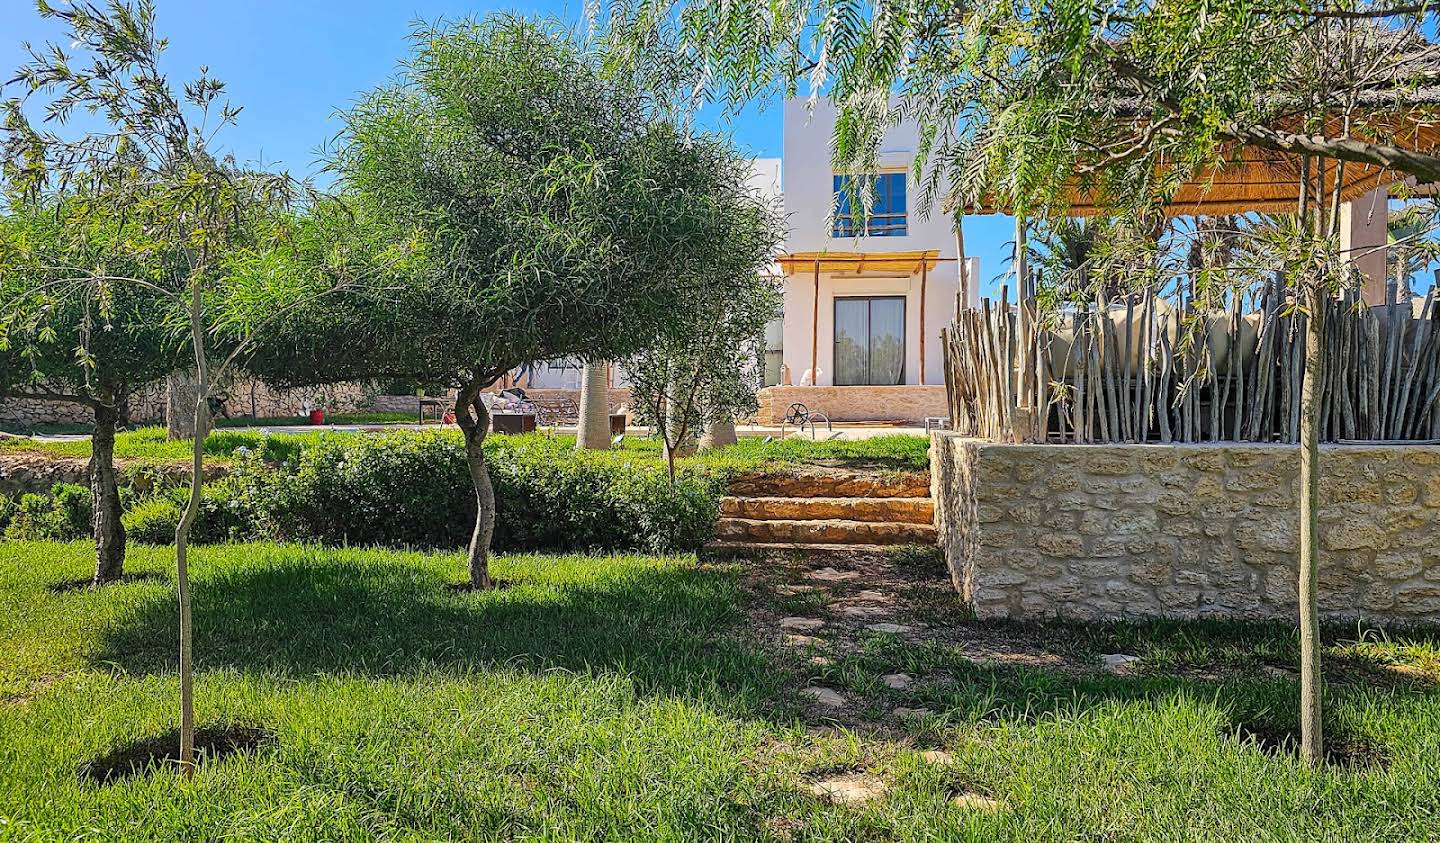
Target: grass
148	444
623	698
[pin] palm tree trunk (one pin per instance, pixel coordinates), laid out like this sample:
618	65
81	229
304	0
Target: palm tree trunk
593	430
180	388
718	434
105	494
1312	738
474	420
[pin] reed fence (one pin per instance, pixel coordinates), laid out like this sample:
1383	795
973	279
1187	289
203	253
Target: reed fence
1147	369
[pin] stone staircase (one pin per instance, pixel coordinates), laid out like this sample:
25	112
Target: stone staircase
826	509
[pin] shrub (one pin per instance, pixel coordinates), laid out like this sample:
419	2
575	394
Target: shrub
414	490
227	513
393	489
62	515
152	520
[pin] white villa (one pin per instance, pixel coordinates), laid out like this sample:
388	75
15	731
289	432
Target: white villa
864	299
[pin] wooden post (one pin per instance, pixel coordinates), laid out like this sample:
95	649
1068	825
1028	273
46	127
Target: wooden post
961	274
815	331
924	281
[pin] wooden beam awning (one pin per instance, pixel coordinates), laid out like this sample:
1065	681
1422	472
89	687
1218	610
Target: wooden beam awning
906	263
1250	178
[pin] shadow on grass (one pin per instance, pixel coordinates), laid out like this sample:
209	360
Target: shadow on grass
298	613
88	584
141	756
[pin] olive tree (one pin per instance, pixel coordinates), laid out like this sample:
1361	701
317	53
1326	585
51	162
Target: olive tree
706	367
563	217
69	334
193	227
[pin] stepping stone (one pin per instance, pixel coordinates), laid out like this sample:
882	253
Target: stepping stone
889	628
938	757
1119	662
849	789
1279	672
913	713
828	574
820	661
874	597
975	802
828	697
858	611
794	624
898	681
803	641
792	590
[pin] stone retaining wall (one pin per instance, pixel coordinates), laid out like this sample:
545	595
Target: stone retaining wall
909	404
1097	531
22	473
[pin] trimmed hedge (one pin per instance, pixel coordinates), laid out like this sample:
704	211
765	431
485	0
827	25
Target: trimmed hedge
407	489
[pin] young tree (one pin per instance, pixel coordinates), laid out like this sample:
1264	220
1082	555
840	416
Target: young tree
1027	105
200	230
69	333
562	216
705	368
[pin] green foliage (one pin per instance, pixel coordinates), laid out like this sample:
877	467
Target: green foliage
707	363
62	515
551	496
1021	104
225	514
559	216
406	489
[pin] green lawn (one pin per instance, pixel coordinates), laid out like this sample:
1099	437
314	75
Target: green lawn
148	444
625	698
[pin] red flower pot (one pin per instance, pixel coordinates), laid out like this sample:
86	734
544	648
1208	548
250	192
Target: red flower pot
317	416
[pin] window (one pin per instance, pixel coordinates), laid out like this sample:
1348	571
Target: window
870	341
887	206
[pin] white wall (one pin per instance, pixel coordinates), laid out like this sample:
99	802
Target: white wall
808	181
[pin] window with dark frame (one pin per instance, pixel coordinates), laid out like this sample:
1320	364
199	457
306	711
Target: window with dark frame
887	216
869	340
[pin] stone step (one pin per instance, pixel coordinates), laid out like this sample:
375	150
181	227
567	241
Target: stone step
816	483
823	531
898	510
749	549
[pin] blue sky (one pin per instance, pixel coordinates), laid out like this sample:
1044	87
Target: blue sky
291	65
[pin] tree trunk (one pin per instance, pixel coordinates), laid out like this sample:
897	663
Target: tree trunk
200	424
718	434
475	428
180	392
1312	740
105	494
593	430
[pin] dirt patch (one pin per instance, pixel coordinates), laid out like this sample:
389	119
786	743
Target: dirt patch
138	757
1342	751
66	586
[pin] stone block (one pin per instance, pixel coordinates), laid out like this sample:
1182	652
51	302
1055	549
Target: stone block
1354	534
1059	544
1273	534
1399	565
1113	462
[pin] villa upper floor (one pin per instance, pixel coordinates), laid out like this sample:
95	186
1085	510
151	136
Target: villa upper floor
819	200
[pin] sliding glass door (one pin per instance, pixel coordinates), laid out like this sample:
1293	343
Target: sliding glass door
870	341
